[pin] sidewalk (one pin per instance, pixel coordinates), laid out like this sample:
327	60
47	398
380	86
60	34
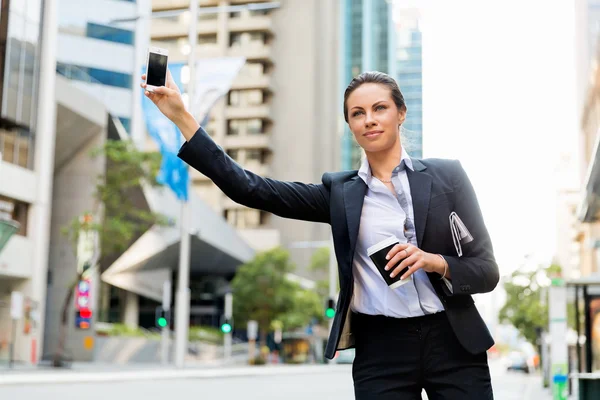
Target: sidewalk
81	373
536	391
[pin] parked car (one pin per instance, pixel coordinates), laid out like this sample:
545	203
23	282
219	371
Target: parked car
517	361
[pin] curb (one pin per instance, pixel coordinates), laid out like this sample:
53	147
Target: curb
160	374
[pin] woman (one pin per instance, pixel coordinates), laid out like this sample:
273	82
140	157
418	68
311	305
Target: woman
425	334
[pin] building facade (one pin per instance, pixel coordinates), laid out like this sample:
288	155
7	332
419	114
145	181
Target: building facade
20	28
409	74
367	43
578	231
96	50
280	118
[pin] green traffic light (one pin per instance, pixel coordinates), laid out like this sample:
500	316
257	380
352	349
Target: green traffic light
162	322
226	328
330	313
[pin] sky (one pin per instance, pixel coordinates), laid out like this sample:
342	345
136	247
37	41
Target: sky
500	95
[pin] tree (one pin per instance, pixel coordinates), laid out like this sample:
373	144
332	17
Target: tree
319	262
263	293
306	305
126	170
525	307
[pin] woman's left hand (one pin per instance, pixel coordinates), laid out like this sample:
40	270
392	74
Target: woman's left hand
414	258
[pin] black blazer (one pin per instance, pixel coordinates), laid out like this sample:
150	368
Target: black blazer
438	187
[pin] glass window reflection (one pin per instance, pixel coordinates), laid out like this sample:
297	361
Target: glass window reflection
22	56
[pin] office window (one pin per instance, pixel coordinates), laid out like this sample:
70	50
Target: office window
126	123
258	38
409	65
254	126
95	75
409	89
110	33
259	155
245	218
240	98
245	126
408	76
258	13
252	69
207	16
15	210
207	39
235	39
19	83
16	146
23	149
234	153
110	78
8	146
233	127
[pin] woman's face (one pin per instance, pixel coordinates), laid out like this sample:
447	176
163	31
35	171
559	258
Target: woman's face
373	117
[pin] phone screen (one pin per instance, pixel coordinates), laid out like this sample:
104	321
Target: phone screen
157	69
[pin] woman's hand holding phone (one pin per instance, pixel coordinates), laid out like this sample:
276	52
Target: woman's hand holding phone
169	101
414	258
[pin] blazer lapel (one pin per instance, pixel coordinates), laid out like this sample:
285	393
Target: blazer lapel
420	191
354	197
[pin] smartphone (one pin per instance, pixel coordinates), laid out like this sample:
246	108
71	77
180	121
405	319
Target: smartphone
156	68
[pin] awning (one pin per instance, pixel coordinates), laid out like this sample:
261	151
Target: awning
589	280
590	204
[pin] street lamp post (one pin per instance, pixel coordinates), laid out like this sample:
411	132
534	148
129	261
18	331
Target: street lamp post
182	314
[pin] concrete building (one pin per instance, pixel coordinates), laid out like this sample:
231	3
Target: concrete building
577	234
281	117
20	24
97	52
52	115
367	43
588	210
101	52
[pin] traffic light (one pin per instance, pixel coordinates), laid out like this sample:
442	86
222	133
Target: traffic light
162	318
227	325
330	309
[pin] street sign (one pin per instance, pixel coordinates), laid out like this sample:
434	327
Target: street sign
166	295
16	305
83	311
252	330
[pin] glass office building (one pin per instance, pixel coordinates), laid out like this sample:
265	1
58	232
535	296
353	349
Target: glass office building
409	75
19	58
367	43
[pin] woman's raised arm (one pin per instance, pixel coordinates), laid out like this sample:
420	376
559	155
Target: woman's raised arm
309	202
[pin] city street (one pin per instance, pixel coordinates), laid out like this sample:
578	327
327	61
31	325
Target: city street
333	383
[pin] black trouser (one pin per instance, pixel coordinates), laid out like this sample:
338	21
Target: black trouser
398	357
